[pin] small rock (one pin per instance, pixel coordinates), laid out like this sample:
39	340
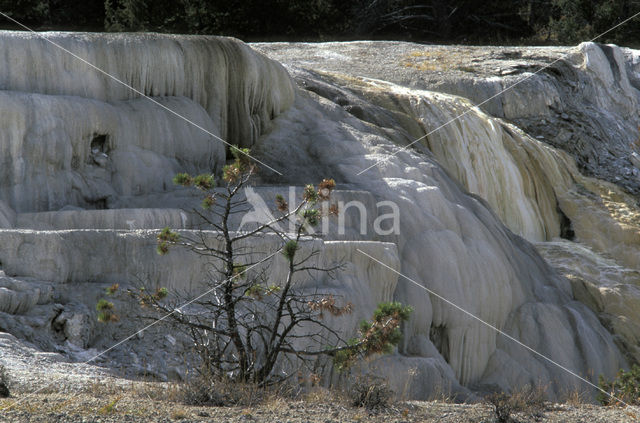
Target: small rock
100	159
509	71
76	326
51	356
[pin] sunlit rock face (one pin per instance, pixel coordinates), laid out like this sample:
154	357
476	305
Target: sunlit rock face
455	245
472	193
572	98
609	289
490	158
536	190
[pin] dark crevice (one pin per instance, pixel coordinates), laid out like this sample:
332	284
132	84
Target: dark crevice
56	326
356	111
440	338
566	229
98	203
99	143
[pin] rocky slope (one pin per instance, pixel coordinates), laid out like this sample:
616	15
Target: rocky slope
549	162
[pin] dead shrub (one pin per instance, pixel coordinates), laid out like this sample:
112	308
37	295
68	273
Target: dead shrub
371	393
529	401
208	391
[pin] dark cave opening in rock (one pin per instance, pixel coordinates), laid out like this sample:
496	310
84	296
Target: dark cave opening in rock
440	338
99	143
566	229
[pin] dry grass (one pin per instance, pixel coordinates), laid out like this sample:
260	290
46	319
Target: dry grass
154	401
320	395
179	414
316	406
434	60
110	407
576	398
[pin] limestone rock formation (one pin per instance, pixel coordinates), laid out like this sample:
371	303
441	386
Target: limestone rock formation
588	94
102	140
7	216
85	183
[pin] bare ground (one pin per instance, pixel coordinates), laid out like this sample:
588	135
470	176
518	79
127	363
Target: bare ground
44	388
159	402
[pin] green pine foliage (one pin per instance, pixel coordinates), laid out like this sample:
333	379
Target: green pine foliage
626	387
378	336
289	250
165	238
204	182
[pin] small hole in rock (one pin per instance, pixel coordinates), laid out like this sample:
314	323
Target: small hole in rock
566	228
99	144
97	204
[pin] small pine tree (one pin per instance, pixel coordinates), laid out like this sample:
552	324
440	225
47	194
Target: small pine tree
249	324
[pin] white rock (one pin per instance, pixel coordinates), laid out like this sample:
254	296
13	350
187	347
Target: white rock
452	244
7	216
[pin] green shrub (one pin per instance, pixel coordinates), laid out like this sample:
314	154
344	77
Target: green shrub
625	387
105	311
